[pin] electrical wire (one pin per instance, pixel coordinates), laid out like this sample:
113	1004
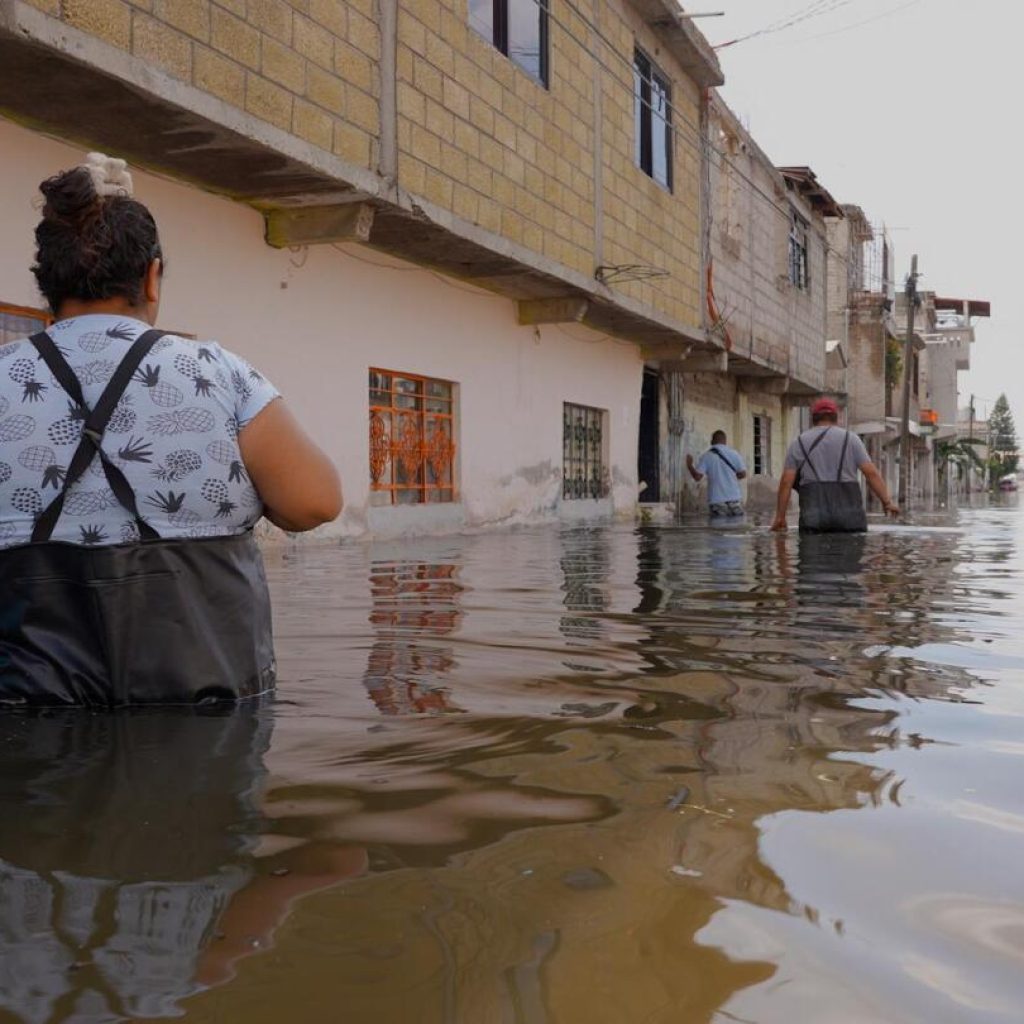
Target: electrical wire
857	24
814	10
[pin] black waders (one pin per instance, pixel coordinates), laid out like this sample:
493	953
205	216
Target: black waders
830	506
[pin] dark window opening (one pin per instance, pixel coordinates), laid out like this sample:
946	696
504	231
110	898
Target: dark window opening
653	104
762	446
518	28
799	267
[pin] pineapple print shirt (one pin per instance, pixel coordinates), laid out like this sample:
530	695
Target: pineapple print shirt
174	434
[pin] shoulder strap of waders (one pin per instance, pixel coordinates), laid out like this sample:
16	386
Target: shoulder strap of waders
725	460
842	456
93	427
807	452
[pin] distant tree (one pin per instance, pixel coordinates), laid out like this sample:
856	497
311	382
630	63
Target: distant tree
1003	456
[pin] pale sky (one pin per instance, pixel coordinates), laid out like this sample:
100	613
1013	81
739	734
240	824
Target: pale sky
912	116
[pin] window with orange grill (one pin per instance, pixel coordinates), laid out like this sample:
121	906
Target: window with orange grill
20	321
412	439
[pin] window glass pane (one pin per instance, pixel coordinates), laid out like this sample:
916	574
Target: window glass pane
412	448
527	36
481	18
14	326
641	100
661	132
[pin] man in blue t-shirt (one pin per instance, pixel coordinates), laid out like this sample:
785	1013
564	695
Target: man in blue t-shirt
724	468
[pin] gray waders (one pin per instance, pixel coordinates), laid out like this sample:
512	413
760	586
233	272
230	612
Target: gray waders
830	506
152	622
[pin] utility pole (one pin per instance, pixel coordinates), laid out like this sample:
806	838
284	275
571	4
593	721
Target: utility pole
970	462
910	291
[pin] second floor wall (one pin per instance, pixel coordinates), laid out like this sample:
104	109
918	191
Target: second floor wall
767	279
554	139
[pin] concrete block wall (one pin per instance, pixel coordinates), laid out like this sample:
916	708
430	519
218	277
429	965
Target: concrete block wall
309	68
642	222
480	137
865	373
769	319
553	169
713	402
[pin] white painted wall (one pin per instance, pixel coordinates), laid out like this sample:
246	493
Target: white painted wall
315	321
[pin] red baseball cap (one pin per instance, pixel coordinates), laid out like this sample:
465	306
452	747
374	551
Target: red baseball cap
824	407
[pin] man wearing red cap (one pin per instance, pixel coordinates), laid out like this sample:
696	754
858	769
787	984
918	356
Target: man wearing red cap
822	465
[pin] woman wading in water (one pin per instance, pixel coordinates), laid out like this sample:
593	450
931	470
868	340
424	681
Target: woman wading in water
133	466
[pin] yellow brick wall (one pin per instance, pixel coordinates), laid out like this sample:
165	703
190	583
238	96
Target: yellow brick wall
477	135
309	67
644	223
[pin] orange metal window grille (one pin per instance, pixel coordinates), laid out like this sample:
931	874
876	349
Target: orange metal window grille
20	321
412	438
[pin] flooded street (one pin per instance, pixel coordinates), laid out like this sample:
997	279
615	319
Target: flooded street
609	775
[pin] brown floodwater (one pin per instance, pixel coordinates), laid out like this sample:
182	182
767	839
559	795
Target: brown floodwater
555	775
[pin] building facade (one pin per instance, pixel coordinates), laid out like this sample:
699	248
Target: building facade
452	235
765	302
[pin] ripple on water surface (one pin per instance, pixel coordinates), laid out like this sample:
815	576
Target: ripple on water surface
673	774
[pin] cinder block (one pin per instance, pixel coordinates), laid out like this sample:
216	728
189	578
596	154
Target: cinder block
234	38
326	90
219	76
162	46
190	16
273	17
269	101
313	124
283	65
313	41
110	20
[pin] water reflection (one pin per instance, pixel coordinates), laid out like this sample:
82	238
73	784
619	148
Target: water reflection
413	606
698	775
128	860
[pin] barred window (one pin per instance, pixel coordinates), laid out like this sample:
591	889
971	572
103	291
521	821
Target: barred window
412	439
762	446
20	321
799	267
584	469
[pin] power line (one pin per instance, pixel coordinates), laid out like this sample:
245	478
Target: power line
814	10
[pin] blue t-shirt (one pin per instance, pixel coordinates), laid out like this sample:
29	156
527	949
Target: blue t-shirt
174	435
722	483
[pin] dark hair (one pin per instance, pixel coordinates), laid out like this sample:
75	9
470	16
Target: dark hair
718	437
91	247
824	417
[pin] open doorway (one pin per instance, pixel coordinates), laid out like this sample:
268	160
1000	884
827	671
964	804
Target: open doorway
649	456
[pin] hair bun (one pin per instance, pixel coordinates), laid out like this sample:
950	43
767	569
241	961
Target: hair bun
71	197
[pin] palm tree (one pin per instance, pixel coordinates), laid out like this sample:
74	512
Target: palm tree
959	453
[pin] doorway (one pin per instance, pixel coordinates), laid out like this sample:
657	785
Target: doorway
649	456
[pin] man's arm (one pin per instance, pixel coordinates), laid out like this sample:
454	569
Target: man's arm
782	503
878	488
693	470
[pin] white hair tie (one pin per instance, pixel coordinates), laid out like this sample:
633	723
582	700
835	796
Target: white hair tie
109	175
